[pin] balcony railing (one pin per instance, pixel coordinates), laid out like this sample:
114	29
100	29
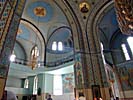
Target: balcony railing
48	64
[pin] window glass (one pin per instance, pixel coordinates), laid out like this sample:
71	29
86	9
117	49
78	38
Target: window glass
125	51
102	54
26	83
35	85
130	42
60	46
54	46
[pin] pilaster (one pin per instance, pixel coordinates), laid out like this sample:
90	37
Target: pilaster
8	36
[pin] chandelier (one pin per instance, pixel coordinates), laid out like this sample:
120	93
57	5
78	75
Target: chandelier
124	12
35	51
34	56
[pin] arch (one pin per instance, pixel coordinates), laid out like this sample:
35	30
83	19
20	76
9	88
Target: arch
93	20
73	23
93	41
26	83
114	36
22	51
39	34
35	85
57	30
98	14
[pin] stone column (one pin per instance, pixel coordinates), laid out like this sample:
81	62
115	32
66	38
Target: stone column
90	76
11	13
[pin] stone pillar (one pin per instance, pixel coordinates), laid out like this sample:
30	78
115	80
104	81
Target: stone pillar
11	13
41	85
90	75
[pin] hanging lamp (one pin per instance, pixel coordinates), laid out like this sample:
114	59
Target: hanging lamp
124	12
35	52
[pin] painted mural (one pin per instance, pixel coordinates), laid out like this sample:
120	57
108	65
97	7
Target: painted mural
40	9
78	75
68	83
8	36
110	76
24	32
126	74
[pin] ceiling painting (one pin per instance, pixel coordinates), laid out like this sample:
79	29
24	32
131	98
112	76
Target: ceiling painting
40	10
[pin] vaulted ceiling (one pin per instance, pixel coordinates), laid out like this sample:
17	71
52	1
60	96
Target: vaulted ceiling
44	21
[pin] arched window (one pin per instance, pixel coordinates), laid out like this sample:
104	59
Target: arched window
127	57
54	46
35	85
130	41
26	83
102	54
60	46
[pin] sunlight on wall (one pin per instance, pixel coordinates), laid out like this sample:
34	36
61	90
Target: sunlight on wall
130	41
57	85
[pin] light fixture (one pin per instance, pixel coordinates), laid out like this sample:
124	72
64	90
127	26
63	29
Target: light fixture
12	57
124	12
35	52
33	59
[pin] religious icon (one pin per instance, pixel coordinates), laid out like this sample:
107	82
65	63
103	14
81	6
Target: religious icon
84	7
40	11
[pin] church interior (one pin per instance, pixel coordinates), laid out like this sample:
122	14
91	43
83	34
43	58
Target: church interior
66	47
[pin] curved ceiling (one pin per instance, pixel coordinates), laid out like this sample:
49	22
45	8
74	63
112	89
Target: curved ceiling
28	37
43	14
62	34
53	24
39	11
108	24
42	23
50	20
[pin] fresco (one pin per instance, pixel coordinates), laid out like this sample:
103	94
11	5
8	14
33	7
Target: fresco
23	32
7	42
40	9
78	75
126	74
68	83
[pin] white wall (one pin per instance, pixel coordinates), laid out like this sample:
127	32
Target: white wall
67	96
17	90
13	82
49	83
